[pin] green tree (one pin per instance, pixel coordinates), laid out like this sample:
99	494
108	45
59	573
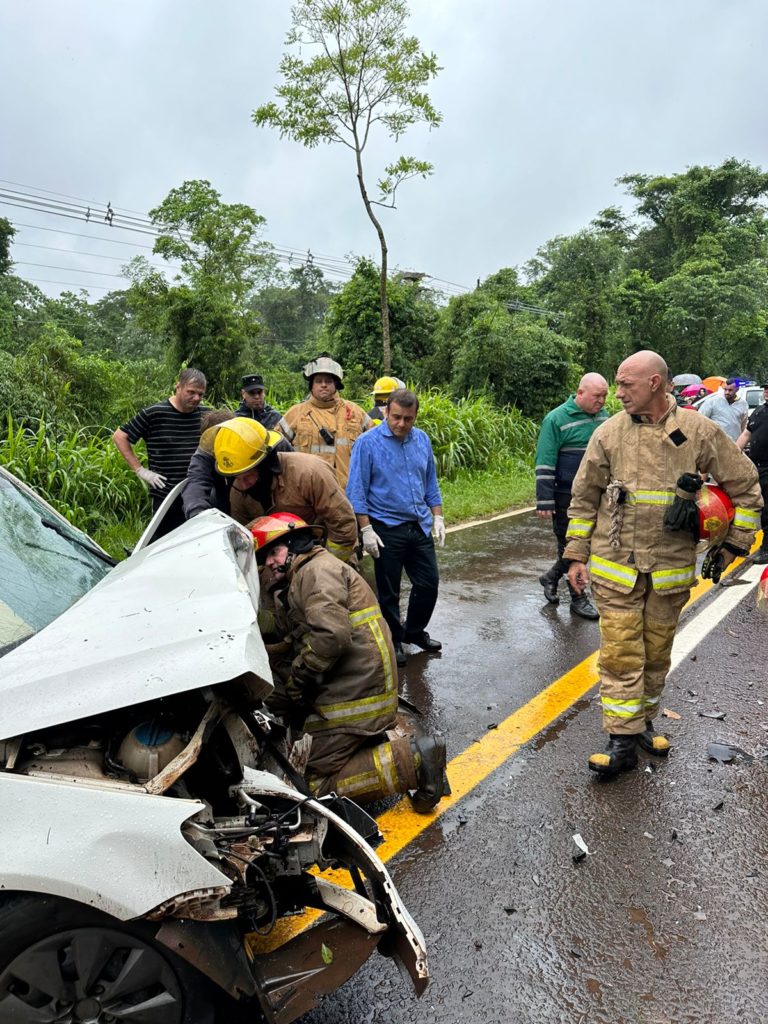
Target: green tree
356	69
205	314
293	306
353	325
517	361
7	231
576	276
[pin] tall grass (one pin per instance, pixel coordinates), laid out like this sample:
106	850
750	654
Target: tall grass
80	473
474	434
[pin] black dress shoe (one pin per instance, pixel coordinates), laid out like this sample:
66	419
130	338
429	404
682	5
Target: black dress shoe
550	588
400	657
424	641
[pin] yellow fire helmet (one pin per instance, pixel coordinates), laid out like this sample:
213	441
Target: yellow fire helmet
240	444
385	386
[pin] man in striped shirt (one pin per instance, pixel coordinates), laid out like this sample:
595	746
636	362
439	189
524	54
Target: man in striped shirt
562	442
171	432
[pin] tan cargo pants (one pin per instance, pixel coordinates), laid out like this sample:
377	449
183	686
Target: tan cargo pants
636	634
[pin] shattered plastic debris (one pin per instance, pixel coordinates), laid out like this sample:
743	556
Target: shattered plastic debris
667	713
581	851
699	915
725	752
718	715
648	835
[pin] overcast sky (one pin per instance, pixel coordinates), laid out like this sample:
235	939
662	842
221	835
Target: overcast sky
545	104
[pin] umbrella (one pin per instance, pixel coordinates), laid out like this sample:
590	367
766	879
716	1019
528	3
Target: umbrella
692	391
713	383
683	379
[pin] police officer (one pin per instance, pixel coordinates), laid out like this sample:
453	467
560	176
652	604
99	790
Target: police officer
254	405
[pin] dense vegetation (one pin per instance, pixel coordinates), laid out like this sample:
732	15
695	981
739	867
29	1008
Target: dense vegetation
684	273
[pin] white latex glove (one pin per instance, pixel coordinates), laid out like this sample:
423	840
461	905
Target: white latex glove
438	528
372	542
150	479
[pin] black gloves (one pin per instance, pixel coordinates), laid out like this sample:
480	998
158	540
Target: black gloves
683	513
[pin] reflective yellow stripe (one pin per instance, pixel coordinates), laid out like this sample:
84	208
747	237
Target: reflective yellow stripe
359	618
354	785
621	708
745	519
652	497
623	574
385	766
666	579
341	551
651	702
580	527
322	449
355	712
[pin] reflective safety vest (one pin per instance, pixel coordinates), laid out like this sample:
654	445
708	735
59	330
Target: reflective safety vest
621	527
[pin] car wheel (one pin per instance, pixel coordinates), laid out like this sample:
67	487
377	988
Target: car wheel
66	963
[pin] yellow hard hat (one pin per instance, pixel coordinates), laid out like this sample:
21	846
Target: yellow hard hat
240	444
386	385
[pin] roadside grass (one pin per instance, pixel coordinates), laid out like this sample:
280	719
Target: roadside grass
474	494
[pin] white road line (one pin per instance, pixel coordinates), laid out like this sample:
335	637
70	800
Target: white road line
688	639
491	519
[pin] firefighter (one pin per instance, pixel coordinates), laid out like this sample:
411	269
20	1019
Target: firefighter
335	673
638	466
382	389
325	424
241	468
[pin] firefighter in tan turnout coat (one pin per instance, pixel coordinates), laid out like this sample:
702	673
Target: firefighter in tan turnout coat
641	571
336	673
325	424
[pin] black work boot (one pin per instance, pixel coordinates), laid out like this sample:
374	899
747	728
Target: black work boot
653	741
430	757
620	755
582	606
549	583
400	656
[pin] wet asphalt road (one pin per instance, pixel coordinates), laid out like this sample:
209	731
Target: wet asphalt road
665	920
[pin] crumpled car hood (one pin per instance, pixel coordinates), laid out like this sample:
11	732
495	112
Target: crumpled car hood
178	615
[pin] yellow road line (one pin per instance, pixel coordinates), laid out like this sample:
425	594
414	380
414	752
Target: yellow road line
401	825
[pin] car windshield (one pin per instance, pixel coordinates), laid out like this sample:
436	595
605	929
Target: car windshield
45	565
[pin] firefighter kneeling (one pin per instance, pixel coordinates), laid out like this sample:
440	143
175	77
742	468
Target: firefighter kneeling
335	673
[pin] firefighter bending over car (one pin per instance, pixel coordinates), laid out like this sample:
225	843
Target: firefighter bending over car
640	475
335	673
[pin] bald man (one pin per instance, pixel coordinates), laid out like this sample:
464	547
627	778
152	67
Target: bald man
562	442
642	570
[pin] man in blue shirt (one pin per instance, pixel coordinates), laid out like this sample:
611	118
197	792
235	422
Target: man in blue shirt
394	491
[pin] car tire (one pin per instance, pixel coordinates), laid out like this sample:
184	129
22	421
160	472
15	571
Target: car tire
61	960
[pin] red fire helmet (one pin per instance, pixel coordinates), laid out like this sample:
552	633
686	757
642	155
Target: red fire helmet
715	513
269	529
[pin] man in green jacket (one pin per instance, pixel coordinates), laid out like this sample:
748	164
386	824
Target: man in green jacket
563	440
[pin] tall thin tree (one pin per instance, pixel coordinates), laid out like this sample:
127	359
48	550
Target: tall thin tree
355	69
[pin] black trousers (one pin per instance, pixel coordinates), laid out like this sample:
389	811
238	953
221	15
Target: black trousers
762	471
560	528
406	547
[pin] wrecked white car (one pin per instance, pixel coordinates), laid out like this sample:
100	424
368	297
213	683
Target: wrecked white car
152	870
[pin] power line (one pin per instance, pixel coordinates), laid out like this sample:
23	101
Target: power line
76	270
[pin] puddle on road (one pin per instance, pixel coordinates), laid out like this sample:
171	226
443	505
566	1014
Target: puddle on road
638	916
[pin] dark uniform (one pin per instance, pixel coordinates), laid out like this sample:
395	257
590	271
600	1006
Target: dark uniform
757	425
